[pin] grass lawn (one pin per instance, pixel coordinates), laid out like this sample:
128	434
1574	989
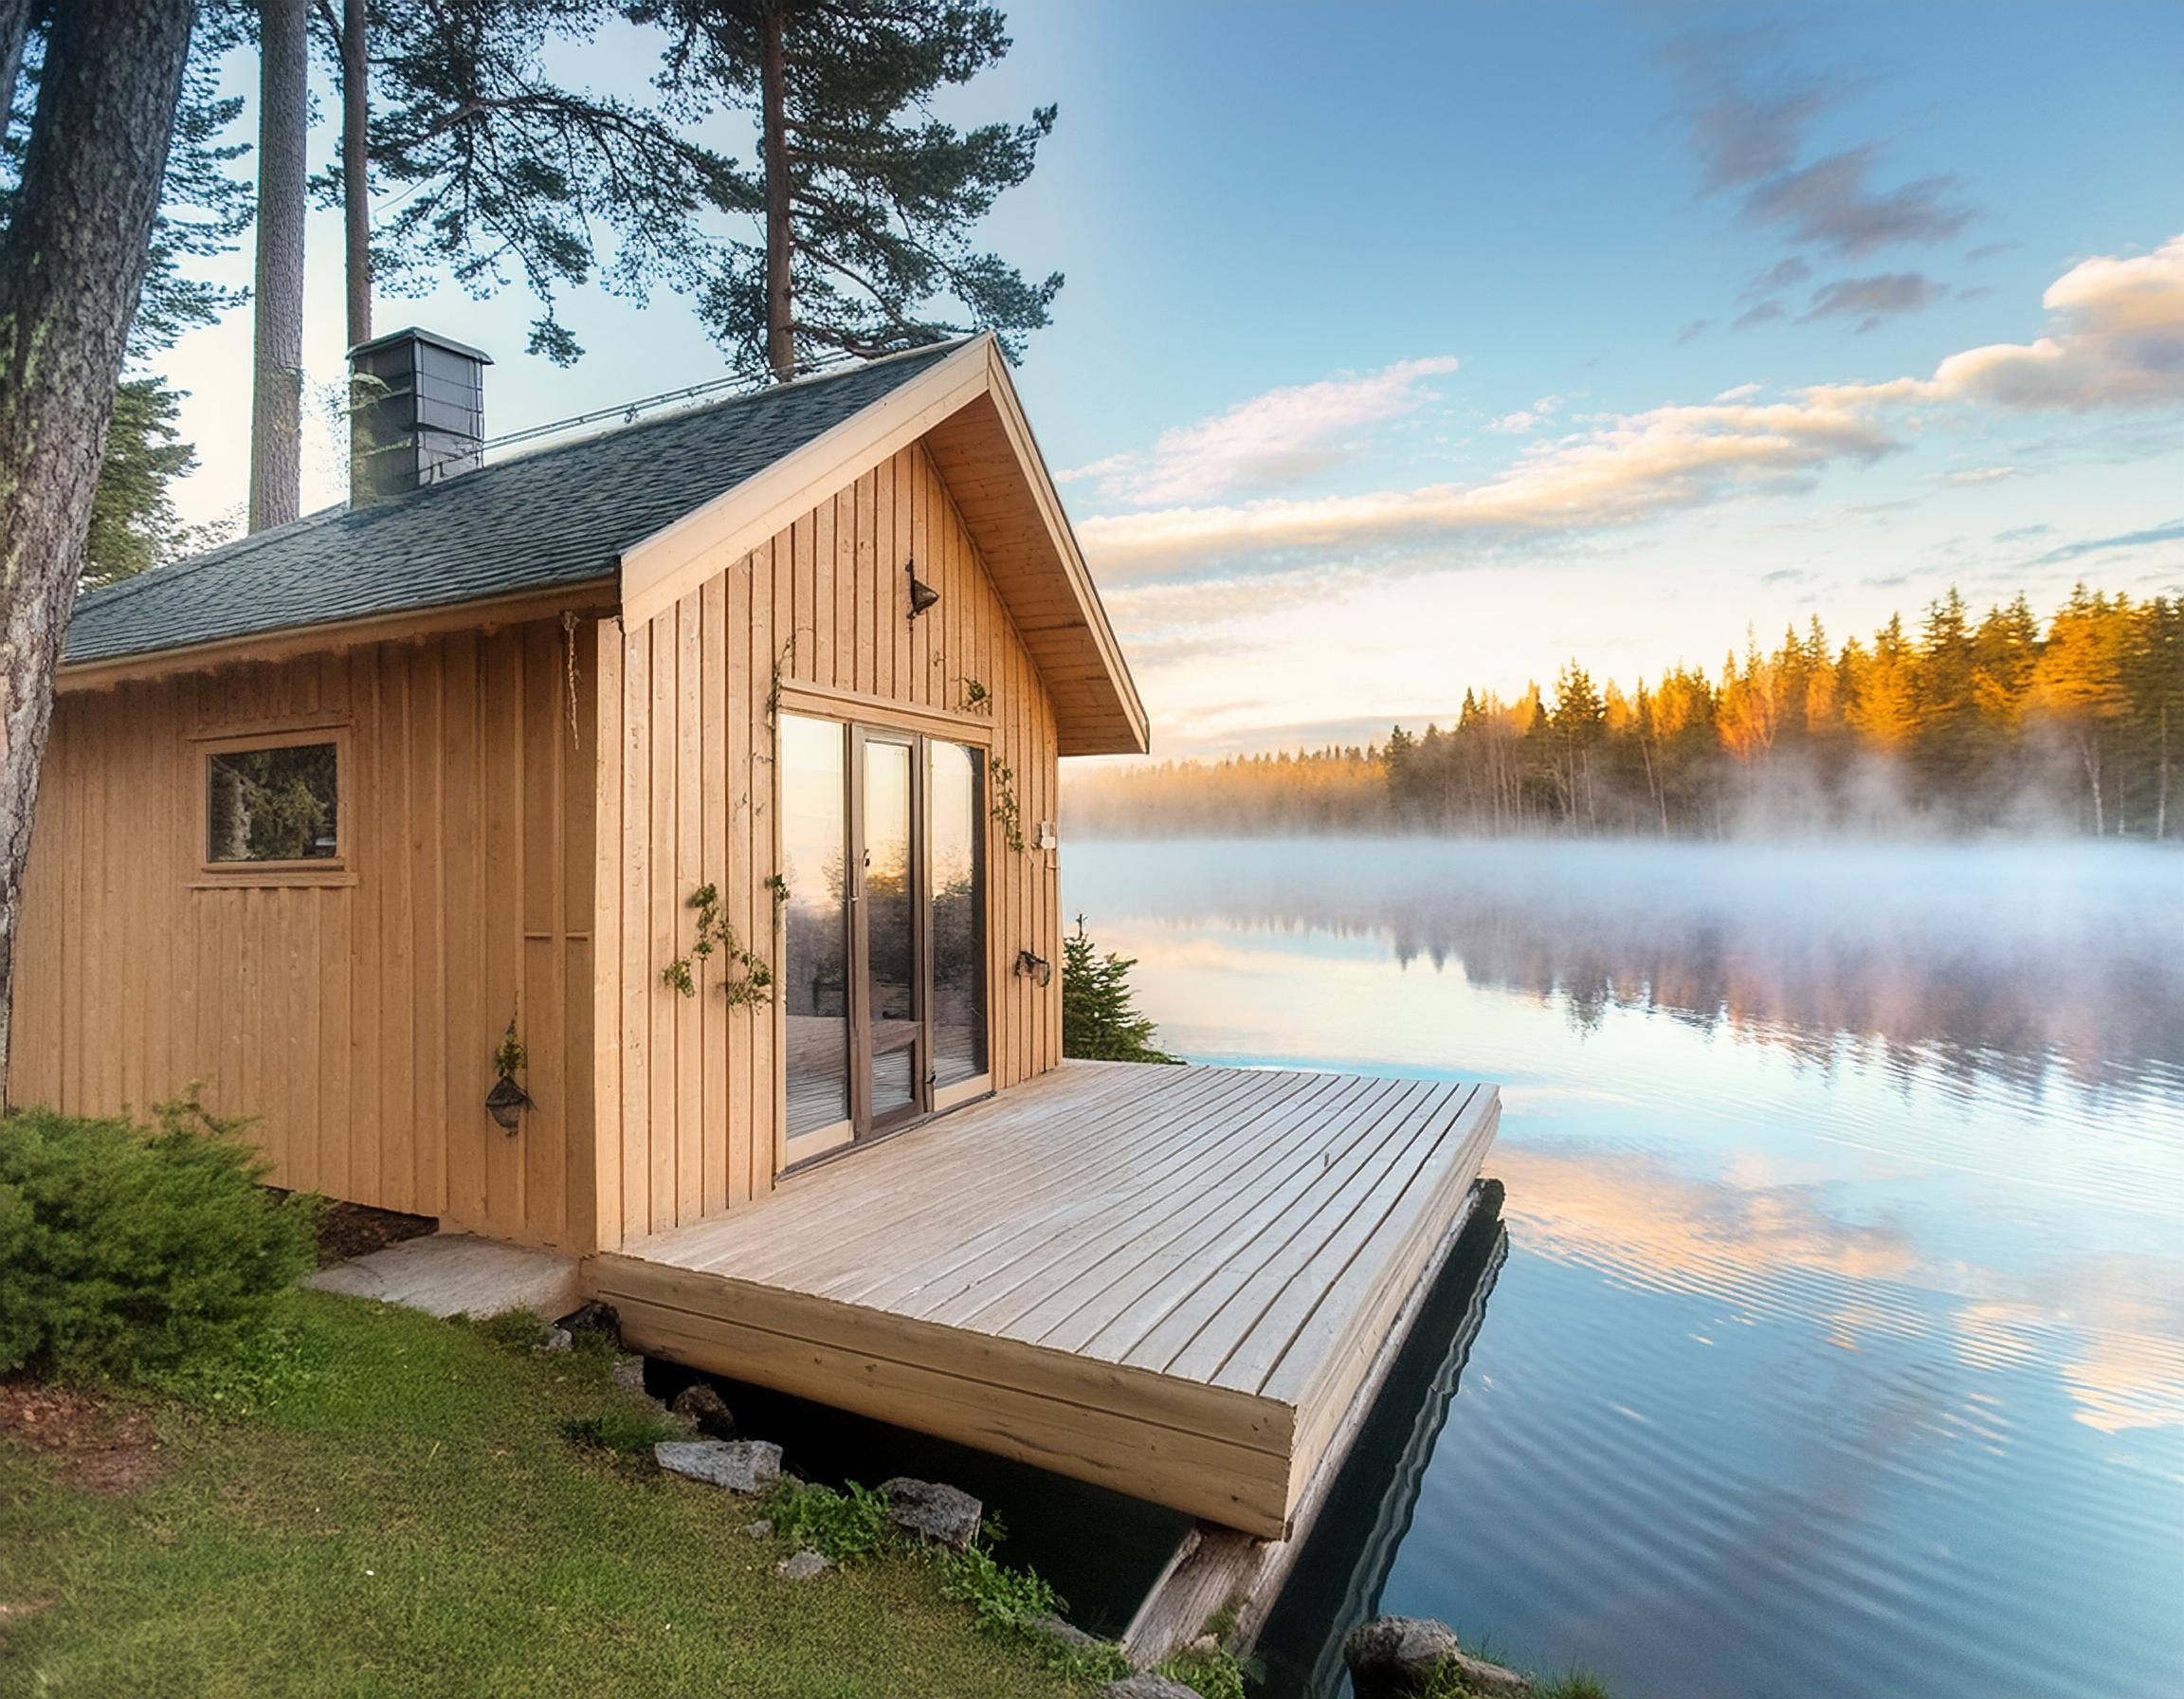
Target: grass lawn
379	1503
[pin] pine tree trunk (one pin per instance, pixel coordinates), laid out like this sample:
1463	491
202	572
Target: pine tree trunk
774	105
71	265
277	357
14	30
357	170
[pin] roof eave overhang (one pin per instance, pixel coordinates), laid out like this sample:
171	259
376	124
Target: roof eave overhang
1097	707
588	596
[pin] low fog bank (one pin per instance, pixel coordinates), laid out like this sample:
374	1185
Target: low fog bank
2004	956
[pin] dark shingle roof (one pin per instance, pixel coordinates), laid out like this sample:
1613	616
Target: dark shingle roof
560	516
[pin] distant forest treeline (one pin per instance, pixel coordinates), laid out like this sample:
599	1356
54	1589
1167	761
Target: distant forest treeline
1963	727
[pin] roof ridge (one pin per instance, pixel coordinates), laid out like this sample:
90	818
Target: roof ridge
109	598
810	381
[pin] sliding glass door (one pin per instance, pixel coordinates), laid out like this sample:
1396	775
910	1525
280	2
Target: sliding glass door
893	1018
883	845
815	951
956	909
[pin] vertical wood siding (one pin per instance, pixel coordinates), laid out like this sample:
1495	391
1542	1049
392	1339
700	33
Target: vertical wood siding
356	1021
686	797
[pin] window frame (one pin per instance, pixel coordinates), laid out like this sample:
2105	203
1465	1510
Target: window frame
313	870
855	716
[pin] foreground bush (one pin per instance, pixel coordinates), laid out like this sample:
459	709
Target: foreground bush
126	1251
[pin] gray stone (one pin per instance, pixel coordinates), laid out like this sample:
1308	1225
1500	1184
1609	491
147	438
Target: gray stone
629	1373
1391	1658
802	1565
945	1515
1146	1683
1066	1633
1489	1681
706	1409
739	1465
761	1529
594	1317
557	1339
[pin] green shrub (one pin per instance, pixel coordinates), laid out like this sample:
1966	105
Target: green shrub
1213	1672
128	1251
1004	1598
1100	1018
625	1431
1011	1602
844	1526
510	1329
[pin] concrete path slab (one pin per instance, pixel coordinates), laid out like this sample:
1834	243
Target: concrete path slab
458	1274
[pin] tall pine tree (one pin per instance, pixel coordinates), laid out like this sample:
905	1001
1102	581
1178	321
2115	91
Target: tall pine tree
870	200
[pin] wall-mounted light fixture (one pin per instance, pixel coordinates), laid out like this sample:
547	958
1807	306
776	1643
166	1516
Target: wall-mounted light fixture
923	595
1034	967
506	1103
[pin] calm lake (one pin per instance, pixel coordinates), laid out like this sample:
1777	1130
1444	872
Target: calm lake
1839	1345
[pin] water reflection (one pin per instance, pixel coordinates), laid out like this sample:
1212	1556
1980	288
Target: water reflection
1347	1558
1839	1346
1997	963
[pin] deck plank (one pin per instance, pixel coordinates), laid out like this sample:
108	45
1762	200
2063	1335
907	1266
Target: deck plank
1320	1287
1142	1295
1046	1253
1195	1335
1079	1170
1171	1282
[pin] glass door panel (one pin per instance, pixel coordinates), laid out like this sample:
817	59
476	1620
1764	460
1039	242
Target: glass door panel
894	1006
954	817
816	960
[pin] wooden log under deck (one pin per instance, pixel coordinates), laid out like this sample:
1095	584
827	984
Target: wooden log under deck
1170	1282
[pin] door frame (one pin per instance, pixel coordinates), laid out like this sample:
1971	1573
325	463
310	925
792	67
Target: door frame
865	1124
860	717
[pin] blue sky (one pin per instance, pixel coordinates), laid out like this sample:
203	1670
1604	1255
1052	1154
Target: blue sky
1411	347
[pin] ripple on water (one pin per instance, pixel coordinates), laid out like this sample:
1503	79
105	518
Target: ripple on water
1840	1348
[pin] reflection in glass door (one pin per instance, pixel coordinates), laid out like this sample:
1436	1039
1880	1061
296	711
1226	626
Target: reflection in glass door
955	831
884	974
892	1015
815	953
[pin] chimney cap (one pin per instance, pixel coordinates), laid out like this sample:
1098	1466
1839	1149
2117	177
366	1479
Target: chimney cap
414	334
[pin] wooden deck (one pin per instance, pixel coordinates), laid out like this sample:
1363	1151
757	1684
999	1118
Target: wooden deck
1172	1282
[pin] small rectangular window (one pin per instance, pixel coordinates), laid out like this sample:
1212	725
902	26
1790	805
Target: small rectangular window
279	803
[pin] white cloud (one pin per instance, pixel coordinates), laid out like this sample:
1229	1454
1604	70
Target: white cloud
1527	419
1976	475
1106	467
1278	437
2116	340
1623	470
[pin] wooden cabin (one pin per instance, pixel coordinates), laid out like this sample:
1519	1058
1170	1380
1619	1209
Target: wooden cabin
700	778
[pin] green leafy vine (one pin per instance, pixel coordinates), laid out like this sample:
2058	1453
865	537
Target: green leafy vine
1006	808
750	981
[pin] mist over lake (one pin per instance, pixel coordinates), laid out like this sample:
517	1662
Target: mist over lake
1840	1345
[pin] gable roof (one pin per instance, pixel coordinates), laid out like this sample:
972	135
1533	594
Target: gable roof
555	516
625	517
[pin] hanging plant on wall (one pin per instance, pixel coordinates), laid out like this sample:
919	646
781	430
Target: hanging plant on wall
1006	809
749	981
507	1100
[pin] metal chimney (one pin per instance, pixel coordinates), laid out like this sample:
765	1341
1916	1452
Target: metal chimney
417	413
